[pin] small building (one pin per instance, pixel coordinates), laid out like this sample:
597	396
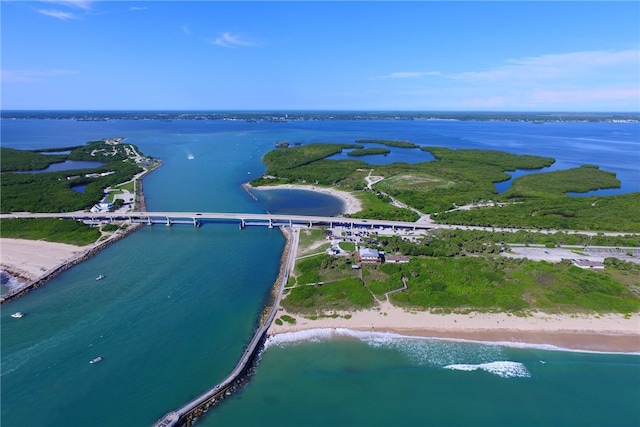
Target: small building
393	259
368	255
102	207
588	264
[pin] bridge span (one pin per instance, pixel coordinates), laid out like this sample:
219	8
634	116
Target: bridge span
242	219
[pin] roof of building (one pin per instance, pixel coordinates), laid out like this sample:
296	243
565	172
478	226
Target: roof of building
369	253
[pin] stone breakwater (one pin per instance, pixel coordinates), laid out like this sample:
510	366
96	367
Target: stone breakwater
83	256
189	413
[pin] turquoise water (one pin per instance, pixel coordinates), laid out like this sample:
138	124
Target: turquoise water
375	379
178	304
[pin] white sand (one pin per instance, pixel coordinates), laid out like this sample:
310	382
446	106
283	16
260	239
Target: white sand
609	332
352	203
32	259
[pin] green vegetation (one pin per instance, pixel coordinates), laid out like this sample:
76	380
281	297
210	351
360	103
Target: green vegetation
368	152
51	230
347	246
52	192
288	319
389	143
577	180
21	160
463	177
345	294
605	213
461	270
496	283
377	206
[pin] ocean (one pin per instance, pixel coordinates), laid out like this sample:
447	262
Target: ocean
178	304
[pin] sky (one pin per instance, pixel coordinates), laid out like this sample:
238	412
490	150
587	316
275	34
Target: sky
317	55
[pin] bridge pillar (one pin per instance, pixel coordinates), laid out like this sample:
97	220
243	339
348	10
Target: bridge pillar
149	221
270	223
290	224
168	224
242	224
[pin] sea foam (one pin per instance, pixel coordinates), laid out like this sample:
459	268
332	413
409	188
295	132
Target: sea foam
505	369
420	351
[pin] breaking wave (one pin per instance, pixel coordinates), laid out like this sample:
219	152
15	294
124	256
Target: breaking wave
433	352
504	369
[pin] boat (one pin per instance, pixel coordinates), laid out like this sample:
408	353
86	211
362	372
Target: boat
100	277
96	360
17	315
190	157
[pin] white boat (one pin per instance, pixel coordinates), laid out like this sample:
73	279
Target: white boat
190	157
17	315
100	277
96	360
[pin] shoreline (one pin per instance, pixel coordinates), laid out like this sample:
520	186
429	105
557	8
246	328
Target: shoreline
610	333
352	204
51	260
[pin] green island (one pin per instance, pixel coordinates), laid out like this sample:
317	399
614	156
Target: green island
462	269
368	152
389	143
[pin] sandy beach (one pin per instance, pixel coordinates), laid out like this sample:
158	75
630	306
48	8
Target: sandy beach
30	260
607	333
351	202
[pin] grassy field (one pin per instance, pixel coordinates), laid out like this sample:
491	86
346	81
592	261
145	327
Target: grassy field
50	230
464	272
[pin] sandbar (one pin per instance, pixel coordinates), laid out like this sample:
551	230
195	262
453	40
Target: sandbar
351	202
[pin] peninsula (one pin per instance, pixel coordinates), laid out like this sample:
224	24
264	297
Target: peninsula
540	295
35	250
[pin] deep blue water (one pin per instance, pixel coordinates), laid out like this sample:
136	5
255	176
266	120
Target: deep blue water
67	165
178	304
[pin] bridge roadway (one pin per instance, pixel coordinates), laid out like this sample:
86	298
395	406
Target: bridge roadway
243	219
273	220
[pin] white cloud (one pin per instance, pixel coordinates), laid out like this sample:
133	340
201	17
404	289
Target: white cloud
75	4
32	76
84	6
407	75
584	80
186	30
556	66
58	14
232	40
136	8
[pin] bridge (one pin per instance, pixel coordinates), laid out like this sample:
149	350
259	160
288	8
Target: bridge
242	219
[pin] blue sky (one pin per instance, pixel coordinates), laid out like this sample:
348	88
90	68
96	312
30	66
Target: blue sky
485	56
